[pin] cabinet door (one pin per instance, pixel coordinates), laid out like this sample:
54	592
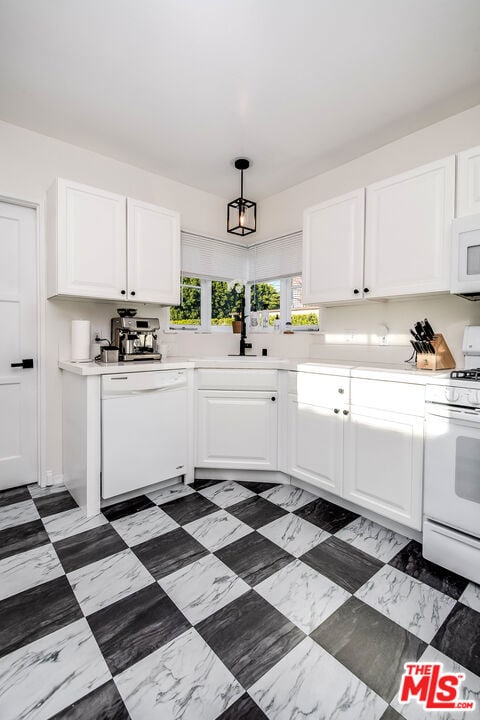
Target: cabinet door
383	465
407	243
468	182
91	242
153	254
315	447
333	249
237	430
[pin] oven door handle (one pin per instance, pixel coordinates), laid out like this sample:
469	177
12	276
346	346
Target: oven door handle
458	416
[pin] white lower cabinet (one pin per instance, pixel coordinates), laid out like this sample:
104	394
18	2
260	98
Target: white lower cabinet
237	429
383	464
368	455
315	444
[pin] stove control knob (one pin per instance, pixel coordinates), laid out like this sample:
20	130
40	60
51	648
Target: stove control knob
474	397
451	395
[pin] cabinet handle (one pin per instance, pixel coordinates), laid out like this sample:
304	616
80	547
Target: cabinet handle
336	411
341	391
356	291
123	292
366	290
345	412
133	292
273	398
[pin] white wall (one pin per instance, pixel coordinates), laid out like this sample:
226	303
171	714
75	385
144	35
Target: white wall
29	164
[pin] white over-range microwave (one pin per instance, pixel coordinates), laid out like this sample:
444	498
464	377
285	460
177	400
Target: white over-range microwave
465	277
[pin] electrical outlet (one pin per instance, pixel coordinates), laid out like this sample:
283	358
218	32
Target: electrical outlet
97	335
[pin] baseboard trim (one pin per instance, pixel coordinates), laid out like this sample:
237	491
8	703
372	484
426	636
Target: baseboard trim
272	476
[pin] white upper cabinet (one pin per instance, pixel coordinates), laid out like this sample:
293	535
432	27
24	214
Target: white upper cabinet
468	182
407	242
153	253
333	235
88	252
95	253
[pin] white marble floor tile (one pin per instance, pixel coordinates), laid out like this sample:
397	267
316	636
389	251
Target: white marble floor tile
37	491
288	497
71	522
226	493
17	514
471	596
203	587
415	606
105	581
172	492
25	570
469	690
294	534
308	683
217	529
373	539
184	680
144	525
303	595
40	679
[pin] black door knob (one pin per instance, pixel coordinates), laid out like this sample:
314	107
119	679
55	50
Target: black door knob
123	292
365	290
356	291
133	292
25	364
336	411
273	398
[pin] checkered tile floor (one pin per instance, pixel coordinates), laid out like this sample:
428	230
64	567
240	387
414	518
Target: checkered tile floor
230	600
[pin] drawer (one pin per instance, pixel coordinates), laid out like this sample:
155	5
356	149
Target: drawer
394	397
319	390
237	379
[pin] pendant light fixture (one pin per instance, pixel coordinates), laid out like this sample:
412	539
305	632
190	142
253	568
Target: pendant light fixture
241	213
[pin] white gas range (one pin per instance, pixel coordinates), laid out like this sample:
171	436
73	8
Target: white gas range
451	528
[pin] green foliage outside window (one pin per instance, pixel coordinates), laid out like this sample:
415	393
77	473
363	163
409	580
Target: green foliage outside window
188	312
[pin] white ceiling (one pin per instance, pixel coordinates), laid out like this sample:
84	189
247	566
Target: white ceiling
180	87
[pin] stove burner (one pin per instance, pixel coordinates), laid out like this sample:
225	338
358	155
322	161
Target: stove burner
466	374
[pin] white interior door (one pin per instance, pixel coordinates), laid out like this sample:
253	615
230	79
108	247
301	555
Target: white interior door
18	320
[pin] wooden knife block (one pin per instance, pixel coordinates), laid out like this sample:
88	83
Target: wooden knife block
441	360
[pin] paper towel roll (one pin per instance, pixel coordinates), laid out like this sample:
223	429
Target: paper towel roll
80	340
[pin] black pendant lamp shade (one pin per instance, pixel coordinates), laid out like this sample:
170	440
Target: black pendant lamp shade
241	213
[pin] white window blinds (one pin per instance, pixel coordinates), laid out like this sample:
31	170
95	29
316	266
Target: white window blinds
276	258
209	258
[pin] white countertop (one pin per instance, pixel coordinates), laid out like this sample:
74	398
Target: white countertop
373	371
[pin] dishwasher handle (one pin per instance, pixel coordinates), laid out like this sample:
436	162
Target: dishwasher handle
142	383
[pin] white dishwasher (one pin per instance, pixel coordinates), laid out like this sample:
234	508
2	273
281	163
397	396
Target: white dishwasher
144	429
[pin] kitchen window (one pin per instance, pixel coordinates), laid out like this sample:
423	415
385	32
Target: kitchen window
209	305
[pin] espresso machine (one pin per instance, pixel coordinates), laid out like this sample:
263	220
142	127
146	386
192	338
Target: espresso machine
136	338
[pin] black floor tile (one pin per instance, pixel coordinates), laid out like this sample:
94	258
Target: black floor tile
243	709
14	495
201	484
189	508
88	547
136	626
326	515
459	637
104	703
21	538
369	644
167	553
36	612
256	487
391	714
341	562
54	503
127	507
256	512
254	558
411	561
250	636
